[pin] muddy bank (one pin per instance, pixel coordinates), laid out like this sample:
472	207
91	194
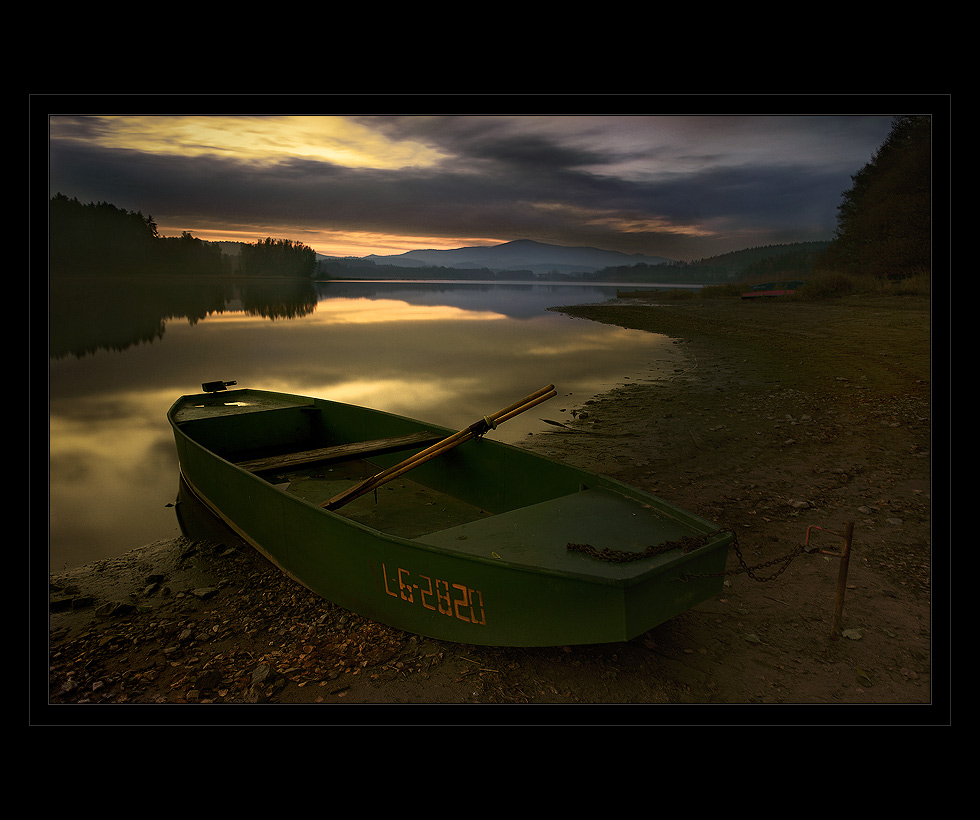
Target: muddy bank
783	416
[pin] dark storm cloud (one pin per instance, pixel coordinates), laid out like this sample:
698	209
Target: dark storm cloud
493	144
463	199
497	180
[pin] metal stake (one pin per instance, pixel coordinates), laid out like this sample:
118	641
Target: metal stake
845	557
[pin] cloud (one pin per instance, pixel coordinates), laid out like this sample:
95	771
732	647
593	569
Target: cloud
681	187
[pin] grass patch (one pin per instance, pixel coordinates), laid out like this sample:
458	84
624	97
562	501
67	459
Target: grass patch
828	284
729	290
835	284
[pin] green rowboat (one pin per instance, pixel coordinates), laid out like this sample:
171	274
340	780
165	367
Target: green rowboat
473	541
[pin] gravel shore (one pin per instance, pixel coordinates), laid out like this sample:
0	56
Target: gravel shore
786	415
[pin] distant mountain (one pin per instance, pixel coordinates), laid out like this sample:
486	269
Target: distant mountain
520	255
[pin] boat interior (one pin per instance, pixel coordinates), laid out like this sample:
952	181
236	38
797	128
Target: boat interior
474	498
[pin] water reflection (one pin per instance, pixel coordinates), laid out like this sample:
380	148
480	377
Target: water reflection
88	314
447	354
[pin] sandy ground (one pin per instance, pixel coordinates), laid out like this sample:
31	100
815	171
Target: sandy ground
783	419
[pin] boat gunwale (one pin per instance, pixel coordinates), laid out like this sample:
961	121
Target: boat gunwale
715	538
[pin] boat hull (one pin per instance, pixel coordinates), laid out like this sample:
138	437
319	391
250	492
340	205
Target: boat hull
503	576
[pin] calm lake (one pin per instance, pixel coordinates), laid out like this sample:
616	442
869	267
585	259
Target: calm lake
445	352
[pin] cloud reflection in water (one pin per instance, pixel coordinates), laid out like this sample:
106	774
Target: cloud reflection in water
443	355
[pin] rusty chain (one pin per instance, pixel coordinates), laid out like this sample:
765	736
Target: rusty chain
688	544
685	544
750	571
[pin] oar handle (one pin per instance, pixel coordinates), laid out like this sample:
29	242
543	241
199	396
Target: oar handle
518	405
476	429
518	410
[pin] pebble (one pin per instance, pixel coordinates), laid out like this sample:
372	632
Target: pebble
246	648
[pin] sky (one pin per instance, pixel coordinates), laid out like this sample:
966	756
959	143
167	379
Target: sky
684	187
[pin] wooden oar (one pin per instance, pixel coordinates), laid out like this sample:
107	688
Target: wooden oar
478	428
474	430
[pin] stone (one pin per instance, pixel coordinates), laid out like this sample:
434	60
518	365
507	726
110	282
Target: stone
113	609
261	673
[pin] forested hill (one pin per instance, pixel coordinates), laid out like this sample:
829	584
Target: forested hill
737	261
790	261
795	260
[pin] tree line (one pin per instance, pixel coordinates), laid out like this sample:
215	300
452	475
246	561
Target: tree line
276	257
100	238
884	221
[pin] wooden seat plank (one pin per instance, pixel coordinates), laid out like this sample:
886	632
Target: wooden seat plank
341	452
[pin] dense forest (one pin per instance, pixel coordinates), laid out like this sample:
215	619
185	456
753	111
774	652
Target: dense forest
884	222
99	238
276	257
770	261
797	262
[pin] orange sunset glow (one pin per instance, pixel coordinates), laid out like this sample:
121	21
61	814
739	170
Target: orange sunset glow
333	243
674	187
269	140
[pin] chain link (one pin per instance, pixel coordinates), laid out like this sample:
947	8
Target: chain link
688	544
750	571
